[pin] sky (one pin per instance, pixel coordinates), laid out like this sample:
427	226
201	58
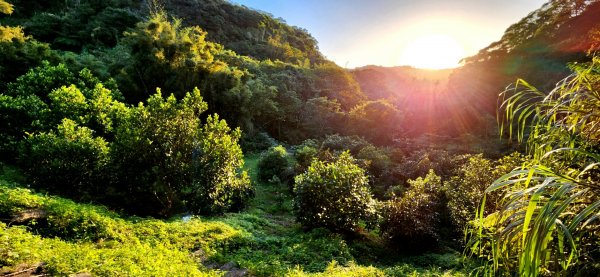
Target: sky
356	33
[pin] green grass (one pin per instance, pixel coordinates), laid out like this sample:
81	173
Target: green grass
264	239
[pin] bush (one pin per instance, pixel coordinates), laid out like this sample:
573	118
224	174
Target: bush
334	195
218	185
39	100
304	154
19	54
69	161
257	143
152	153
378	164
413	220
465	191
352	143
275	163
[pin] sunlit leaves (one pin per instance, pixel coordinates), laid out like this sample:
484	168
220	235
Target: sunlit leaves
553	201
334	195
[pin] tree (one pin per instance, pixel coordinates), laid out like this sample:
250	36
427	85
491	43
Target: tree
377	120
465	190
39	101
19	52
70	161
413	221
334	195
275	163
218	185
152	153
165	54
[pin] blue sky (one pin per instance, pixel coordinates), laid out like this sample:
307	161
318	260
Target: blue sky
360	32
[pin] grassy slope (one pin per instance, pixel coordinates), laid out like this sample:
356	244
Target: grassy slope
265	240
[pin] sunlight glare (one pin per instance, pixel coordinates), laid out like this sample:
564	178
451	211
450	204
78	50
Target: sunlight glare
433	52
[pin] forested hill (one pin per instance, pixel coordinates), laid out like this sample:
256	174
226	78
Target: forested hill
247	31
254	70
538	48
76	25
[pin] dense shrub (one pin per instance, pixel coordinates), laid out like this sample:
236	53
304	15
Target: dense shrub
379	167
68	161
19	52
152	152
39	100
257	143
465	191
418	163
333	195
304	154
412	221
218	186
275	164
352	143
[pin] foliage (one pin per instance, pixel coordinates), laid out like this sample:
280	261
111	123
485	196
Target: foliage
548	218
377	120
218	185
79	238
412	221
337	83
418	163
304	155
19	54
275	163
250	32
152	152
70	161
5	7
333	195
39	100
165	54
379	168
150	168
465	191
341	143
256	143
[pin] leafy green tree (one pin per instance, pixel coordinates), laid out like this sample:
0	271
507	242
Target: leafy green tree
379	168
275	163
322	116
304	154
166	54
413	221
334	195
152	152
337	83
218	184
377	120
19	52
70	161
39	100
465	191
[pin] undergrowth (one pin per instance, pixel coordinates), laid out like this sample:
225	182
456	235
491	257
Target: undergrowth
265	240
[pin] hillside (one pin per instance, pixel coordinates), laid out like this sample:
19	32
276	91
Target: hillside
205	138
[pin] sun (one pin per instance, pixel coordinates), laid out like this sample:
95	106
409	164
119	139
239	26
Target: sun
433	52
